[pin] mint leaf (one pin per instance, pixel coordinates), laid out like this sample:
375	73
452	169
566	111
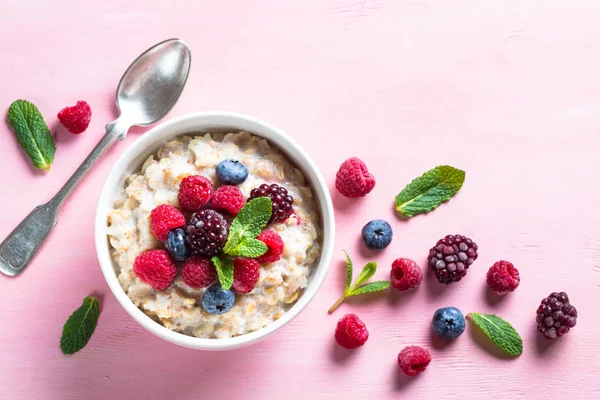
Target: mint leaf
224	268
349	271
80	326
32	133
249	248
500	332
251	219
371	287
367	272
430	190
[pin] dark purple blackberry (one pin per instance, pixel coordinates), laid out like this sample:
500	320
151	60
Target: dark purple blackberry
450	258
207	233
282	201
556	316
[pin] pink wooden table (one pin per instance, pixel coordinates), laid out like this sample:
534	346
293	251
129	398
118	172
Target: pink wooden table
507	90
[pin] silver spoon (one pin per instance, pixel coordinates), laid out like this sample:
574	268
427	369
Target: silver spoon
147	91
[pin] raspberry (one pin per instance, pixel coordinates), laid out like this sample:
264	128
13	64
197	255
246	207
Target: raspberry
413	360
228	198
164	218
155	267
282	201
198	272
451	257
351	332
195	192
275	245
406	274
77	118
556	316
245	274
503	277
353	178
207	233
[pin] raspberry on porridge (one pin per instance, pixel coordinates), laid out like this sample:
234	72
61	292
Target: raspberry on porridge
280	283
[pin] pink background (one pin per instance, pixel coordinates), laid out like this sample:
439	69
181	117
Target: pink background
507	90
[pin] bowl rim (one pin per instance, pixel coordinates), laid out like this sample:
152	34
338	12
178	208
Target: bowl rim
221	120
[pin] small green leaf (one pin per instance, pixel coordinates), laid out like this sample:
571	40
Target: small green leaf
349	271
430	190
500	332
224	268
32	133
367	272
80	326
371	287
249	222
249	248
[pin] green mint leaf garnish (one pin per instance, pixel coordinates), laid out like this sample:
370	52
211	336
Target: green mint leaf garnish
249	222
32	133
354	290
430	190
249	248
224	267
500	332
80	326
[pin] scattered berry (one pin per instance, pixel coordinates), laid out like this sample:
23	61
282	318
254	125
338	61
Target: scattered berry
155	267
207	233
556	316
228	198
377	234
232	172
406	274
351	332
413	360
448	323
282	201
353	178
245	274
195	192
450	258
77	118
164	218
176	245
216	300
503	278
198	272
275	245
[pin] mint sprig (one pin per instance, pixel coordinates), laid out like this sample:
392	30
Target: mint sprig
224	267
80	326
430	190
32	133
246	226
499	331
360	287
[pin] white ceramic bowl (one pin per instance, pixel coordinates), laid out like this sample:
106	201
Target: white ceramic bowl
131	161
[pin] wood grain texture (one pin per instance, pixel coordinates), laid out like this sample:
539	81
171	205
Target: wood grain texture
507	90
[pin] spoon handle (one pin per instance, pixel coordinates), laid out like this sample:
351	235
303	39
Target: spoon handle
24	242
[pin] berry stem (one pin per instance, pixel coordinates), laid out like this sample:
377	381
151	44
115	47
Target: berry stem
337	304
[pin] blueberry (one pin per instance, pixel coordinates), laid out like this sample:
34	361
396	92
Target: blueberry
231	172
377	234
448	323
175	244
216	300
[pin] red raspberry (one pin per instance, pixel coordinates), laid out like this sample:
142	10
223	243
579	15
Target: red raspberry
503	278
413	360
405	274
198	272
351	332
275	245
195	192
164	218
245	274
228	198
155	267
77	118
353	178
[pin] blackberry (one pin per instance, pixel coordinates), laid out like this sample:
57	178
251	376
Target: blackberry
282	201
450	258
207	233
556	316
